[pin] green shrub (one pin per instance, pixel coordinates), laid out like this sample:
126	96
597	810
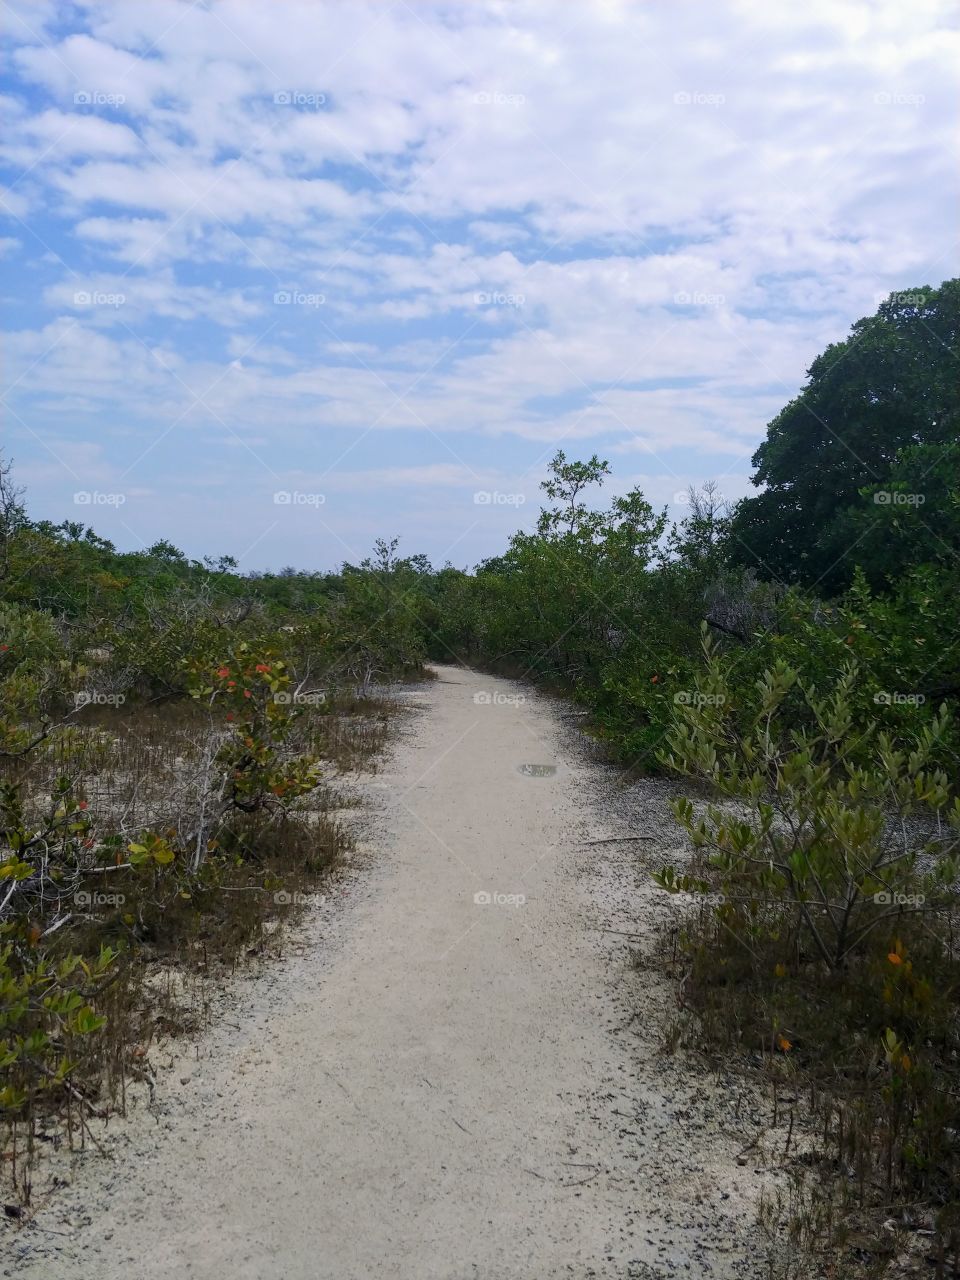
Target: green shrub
826	871
820	836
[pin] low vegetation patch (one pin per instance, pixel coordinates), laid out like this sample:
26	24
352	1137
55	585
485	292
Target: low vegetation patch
824	949
175	744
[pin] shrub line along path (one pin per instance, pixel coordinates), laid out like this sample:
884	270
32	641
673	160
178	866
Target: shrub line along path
457	1072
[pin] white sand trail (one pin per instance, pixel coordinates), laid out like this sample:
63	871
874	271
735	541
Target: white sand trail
432	1086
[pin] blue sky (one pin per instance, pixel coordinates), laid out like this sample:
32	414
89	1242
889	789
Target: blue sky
284	278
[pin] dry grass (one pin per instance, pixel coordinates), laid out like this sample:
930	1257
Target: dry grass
870	1155
179	930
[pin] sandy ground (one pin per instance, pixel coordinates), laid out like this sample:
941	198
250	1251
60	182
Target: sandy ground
434	1085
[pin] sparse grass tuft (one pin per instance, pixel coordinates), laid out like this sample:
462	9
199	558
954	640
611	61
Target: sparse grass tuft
150	851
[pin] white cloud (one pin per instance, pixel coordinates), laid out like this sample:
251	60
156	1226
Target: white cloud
629	226
126	299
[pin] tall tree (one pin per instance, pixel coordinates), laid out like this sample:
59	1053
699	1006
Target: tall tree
880	411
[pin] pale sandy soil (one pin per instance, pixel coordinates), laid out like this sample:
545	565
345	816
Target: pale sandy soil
432	1088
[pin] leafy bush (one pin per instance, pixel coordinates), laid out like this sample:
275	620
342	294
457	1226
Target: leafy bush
822	839
163	800
253	688
826	868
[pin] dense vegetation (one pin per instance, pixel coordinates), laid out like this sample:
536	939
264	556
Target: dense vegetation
799	657
171	735
861	468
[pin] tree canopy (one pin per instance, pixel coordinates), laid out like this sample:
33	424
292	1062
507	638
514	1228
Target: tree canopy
861	468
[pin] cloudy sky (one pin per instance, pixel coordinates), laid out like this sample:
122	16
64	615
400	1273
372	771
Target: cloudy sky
281	278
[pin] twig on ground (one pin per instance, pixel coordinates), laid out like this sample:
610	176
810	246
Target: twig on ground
619	839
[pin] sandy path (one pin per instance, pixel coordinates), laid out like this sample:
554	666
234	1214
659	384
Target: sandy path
431	1087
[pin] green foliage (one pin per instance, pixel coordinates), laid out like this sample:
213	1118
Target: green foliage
557	600
861	468
45	1015
252	688
826	868
602	604
567	480
377	633
158	735
811	828
34	673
